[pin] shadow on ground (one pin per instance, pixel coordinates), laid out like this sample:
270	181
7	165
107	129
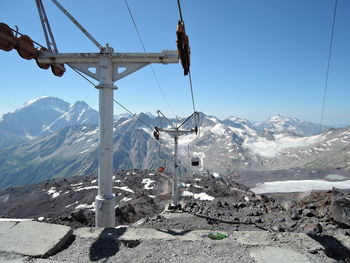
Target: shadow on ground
174	233
107	244
333	247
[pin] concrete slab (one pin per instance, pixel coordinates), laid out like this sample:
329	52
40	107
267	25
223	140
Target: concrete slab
34	239
146	234
13	259
6	226
48	261
277	255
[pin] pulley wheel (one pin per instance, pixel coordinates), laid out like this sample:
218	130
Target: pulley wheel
25	48
42	65
7	39
58	69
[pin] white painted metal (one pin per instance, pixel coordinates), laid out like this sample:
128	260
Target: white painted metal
176	179
166	56
176	176
108	69
105	200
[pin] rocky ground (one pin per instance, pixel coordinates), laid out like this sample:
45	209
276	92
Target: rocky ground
214	203
208	203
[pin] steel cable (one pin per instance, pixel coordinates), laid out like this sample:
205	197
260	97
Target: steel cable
328	65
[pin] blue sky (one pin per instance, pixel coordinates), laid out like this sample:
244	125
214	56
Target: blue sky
250	58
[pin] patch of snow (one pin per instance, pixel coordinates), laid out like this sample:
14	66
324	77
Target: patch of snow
126	199
85	188
216	175
94	181
92	132
212	119
73	185
331	141
29	137
71	204
218	129
84	151
53	193
151	196
147	182
197	179
298	186
124	188
198	186
201	196
268	148
31	102
41	218
84	206
238	131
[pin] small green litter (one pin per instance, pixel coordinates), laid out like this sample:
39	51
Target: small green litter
217	236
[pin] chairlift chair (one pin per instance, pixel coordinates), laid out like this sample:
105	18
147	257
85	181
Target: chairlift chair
161	169
195	161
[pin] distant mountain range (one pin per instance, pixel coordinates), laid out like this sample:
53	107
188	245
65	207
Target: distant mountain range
42	116
50	138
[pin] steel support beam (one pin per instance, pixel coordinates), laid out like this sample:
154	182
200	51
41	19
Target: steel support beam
105	200
107	67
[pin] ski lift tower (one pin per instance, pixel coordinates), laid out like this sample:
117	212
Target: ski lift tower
175	132
106	67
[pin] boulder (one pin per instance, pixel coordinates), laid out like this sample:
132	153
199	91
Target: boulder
340	206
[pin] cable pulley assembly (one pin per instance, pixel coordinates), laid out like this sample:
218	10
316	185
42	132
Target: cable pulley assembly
26	49
183	43
183	46
7	39
58	69
42	65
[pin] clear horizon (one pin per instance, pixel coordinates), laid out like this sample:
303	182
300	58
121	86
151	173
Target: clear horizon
249	59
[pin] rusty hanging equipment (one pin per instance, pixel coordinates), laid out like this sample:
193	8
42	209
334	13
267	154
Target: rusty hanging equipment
42	65
25	47
7	39
58	69
183	46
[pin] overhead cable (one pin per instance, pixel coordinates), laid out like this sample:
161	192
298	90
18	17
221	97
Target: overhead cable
145	51
134	115
328	64
191	87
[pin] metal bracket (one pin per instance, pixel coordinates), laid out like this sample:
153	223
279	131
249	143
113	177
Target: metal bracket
120	70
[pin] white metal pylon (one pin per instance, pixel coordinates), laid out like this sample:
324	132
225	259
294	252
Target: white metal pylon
107	67
175	133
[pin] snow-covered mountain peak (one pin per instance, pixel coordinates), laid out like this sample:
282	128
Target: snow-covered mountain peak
279	123
79	104
149	114
45	103
281	119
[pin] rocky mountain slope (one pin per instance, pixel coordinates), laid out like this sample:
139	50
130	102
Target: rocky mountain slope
209	202
231	146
